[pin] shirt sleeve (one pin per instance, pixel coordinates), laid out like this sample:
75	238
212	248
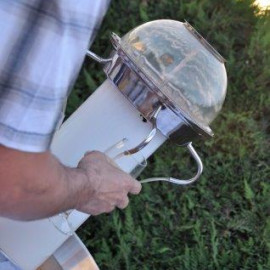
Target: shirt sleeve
42	47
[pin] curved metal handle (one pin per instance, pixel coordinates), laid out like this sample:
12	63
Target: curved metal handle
98	58
146	141
141	145
178	181
149	137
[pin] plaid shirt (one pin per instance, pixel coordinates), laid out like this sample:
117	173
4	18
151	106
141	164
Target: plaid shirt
42	47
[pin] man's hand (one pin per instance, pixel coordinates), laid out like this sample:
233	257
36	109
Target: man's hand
107	186
37	185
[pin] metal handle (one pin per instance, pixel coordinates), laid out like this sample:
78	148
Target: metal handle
98	58
149	137
146	141
178	181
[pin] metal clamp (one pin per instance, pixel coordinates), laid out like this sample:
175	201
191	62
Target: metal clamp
178	181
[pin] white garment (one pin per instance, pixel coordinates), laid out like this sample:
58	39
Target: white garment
5	264
42	48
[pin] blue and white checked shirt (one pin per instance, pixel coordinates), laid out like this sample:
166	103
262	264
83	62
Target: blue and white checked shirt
42	47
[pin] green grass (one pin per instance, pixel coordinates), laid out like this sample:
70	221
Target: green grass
222	221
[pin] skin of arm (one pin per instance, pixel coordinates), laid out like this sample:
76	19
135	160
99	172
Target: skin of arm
37	185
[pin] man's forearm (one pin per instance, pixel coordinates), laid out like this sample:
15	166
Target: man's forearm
36	185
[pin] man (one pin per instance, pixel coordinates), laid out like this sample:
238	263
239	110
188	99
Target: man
42	47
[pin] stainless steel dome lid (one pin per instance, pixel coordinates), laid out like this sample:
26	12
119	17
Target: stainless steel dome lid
183	66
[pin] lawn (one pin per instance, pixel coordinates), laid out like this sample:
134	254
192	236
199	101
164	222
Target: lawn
222	221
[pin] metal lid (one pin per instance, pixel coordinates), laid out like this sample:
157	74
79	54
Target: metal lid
184	67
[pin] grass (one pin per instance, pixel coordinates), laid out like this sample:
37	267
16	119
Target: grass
222	221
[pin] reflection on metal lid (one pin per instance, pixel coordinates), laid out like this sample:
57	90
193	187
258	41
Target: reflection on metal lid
187	72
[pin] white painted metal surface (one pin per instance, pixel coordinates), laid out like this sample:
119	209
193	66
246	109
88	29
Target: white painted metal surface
105	118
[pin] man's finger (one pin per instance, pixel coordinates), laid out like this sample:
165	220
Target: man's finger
135	187
123	203
109	209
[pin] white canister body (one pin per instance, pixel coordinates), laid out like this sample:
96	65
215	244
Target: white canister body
103	119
